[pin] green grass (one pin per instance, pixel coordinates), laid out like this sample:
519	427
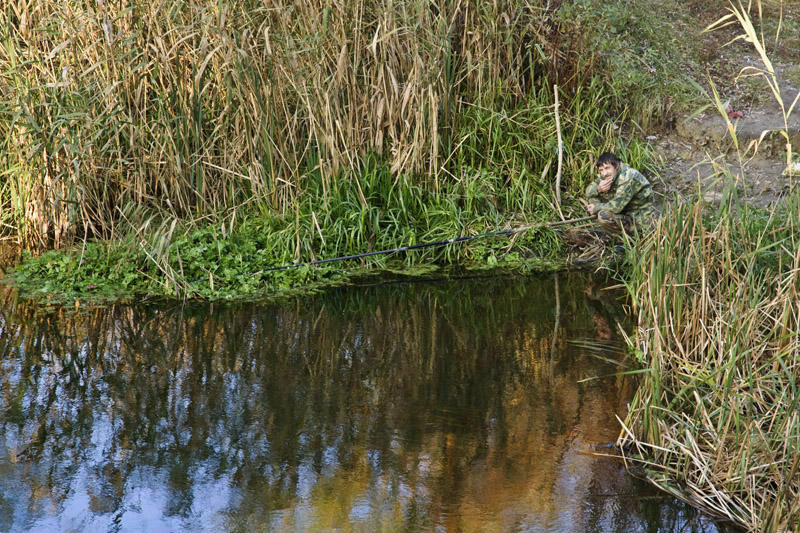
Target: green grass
792	74
375	212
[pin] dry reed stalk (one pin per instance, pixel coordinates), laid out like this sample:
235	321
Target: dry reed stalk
716	420
740	15
144	103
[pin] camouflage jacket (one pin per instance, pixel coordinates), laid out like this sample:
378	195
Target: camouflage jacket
630	194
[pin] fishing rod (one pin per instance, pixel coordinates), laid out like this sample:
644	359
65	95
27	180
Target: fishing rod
509	231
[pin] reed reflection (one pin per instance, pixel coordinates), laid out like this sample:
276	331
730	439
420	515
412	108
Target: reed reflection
414	406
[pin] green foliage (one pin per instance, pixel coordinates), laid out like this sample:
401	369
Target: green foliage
647	51
99	272
348	216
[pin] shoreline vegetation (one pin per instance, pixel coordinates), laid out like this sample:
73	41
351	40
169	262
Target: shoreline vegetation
715	420
171	149
149	144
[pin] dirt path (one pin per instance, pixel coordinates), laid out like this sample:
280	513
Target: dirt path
700	149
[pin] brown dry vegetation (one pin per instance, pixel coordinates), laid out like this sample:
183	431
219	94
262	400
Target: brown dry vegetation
198	108
715	421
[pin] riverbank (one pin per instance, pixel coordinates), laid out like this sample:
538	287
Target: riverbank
375	213
153	146
132	212
182	154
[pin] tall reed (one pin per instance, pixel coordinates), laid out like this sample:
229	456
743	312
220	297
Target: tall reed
190	109
715	420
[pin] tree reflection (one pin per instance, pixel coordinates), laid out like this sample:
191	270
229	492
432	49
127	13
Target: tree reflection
404	406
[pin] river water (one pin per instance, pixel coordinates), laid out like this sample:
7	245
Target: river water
461	405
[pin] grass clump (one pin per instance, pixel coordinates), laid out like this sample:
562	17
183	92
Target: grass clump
647	53
375	212
792	73
715	420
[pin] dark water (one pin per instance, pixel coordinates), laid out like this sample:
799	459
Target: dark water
447	406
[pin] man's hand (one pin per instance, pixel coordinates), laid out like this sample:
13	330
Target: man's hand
605	185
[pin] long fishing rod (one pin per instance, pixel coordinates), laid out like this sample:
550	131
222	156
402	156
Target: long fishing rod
509	231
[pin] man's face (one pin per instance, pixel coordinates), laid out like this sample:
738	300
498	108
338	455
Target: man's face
607	170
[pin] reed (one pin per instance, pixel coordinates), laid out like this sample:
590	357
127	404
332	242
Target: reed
115	114
753	33
195	108
715	420
258	195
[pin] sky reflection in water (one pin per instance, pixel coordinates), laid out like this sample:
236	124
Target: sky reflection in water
438	406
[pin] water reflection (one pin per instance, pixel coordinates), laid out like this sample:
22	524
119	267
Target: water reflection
442	406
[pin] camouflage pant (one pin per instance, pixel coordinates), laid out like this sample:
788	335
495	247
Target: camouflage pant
614	224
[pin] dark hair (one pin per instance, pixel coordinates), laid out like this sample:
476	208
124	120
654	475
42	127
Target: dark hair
607	157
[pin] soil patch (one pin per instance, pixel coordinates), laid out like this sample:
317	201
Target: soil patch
701	149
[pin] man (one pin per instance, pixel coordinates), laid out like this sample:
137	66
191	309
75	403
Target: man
621	198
